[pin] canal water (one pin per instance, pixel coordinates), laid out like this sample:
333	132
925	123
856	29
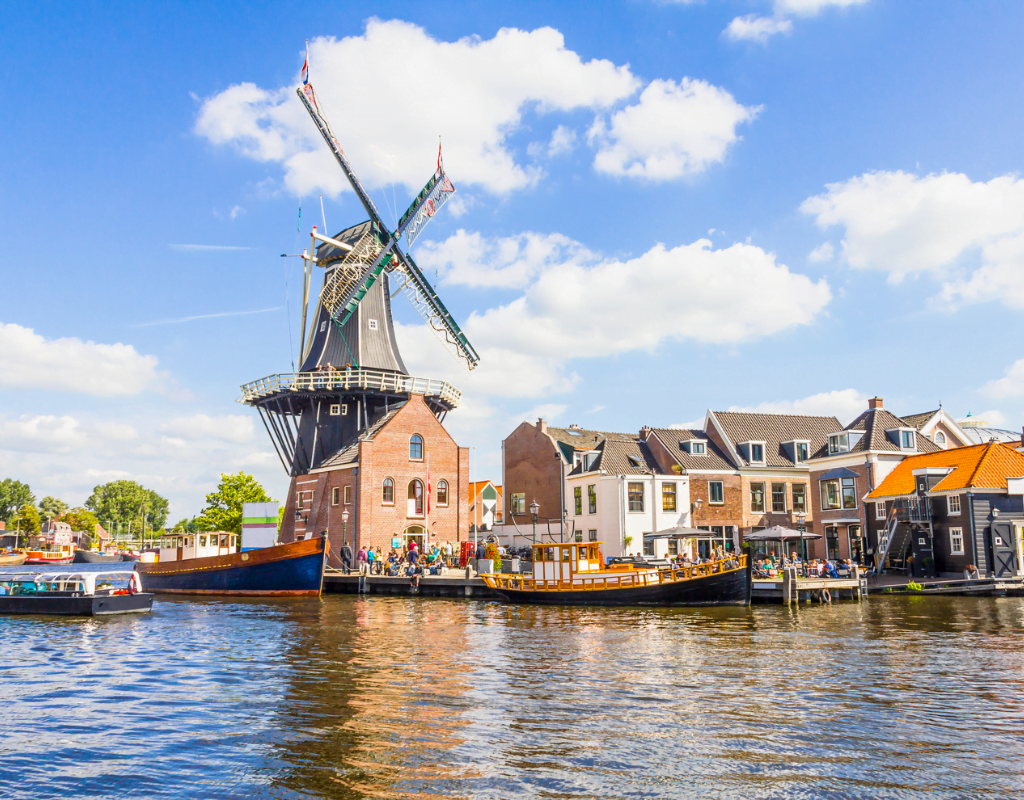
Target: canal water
351	697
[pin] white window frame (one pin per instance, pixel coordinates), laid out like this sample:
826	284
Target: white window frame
629	500
940	439
348	494
335	409
950	511
880	510
784	497
698	449
954	535
764	500
372	324
719	502
834	440
803	508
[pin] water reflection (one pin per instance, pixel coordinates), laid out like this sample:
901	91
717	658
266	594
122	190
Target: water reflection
400	697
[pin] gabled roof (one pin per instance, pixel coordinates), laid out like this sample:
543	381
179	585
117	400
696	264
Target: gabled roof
979	466
773	430
919	420
715	458
623	456
349	456
581	439
475	487
875	422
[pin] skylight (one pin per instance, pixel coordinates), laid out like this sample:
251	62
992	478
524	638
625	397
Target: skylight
574	433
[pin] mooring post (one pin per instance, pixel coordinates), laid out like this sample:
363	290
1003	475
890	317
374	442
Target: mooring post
788	584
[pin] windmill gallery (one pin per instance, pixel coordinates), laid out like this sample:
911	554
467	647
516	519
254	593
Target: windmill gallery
362	440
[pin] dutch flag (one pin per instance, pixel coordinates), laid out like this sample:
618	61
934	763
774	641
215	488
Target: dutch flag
305	67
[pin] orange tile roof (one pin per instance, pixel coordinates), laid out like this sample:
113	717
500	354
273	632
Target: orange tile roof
475	487
979	466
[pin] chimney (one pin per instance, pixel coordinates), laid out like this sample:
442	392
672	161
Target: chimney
645	431
875	402
542	425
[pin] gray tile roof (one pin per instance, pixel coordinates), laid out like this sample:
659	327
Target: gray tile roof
581	439
715	458
622	455
918	420
349	456
773	430
875	422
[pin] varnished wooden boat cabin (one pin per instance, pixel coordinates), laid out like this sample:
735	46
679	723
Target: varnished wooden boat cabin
572	574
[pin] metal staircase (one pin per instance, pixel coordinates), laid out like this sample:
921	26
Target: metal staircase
886	540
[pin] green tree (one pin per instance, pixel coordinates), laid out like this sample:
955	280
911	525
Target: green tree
122	502
13	495
81	519
27	521
51	507
223	510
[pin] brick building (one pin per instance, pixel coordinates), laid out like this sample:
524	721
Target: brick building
382	481
851	463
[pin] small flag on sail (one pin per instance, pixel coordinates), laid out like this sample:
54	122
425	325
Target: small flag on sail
305	66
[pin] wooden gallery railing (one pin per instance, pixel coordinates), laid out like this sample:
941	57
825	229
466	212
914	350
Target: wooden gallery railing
616	580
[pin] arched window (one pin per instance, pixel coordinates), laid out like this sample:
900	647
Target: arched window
442	493
416	447
940	439
415	499
388	492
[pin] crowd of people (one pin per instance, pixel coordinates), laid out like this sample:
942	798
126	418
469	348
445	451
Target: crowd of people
410	561
771	566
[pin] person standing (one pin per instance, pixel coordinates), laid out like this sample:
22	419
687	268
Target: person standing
346	558
361	558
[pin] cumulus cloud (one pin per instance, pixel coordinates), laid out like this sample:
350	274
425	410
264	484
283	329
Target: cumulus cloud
823	252
675	129
754	27
575	305
903	224
1010	385
30	361
845	404
198	427
470	259
478	91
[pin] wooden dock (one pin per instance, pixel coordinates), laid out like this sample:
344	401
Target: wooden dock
454	584
789	588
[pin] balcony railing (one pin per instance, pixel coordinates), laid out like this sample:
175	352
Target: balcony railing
348	380
913	509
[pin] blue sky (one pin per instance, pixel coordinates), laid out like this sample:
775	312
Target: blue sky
641	188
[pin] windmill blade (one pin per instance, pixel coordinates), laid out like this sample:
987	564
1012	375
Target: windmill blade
308	98
428	202
429	306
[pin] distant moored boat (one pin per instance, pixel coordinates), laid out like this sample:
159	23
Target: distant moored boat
92	557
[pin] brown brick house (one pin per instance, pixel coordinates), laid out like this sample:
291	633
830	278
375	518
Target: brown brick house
382	481
845	468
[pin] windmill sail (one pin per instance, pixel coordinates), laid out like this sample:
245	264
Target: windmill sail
427	203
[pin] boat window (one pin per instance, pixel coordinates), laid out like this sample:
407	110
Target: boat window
233	540
566	553
583	552
549	554
202	541
593	553
223	540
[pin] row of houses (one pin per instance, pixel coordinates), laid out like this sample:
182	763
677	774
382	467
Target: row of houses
740	473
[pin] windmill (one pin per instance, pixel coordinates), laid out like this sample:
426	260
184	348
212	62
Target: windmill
351	373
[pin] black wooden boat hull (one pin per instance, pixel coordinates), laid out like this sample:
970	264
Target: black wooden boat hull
82	606
89	557
722	588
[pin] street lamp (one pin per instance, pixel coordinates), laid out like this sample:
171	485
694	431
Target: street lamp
534	508
344	526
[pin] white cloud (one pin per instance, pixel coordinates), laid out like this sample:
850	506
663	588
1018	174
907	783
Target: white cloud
563	140
41	433
823	252
473	92
227	427
903	224
760	28
29	361
672	131
470	259
692	425
992	417
215	315
845	404
755	28
691	292
1010	385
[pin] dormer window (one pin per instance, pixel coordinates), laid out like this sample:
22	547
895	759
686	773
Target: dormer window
633	461
906	438
754	451
694	447
801	451
838	443
588	461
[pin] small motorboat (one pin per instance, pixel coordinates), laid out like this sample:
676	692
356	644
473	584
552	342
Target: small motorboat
87	594
60	554
93	557
12	559
572	574
129	556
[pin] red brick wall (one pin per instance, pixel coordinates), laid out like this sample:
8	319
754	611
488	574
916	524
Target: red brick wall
370	522
729	514
824	517
532	468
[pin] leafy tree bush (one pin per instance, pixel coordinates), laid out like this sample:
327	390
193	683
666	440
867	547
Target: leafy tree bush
223	510
27	521
122	502
51	507
13	495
